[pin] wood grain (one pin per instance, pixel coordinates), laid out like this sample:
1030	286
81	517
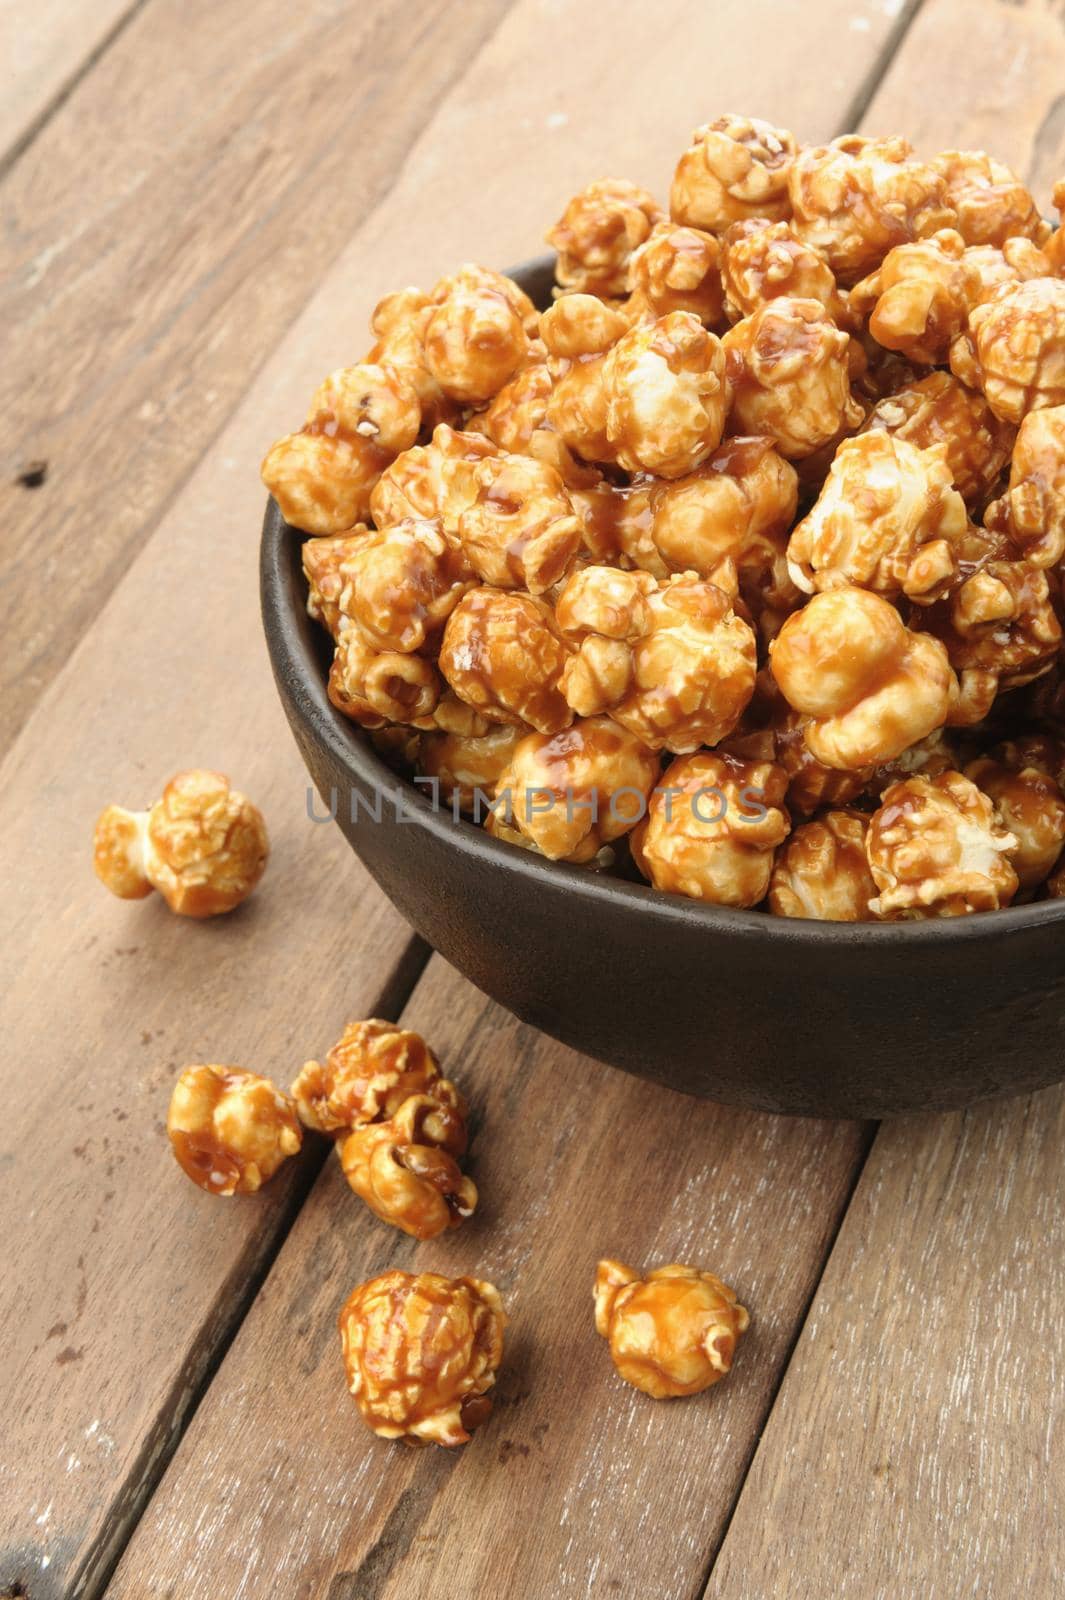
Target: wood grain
45	49
579	1485
914	1447
158	238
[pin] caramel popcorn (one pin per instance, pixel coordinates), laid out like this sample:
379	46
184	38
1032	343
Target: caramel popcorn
503	655
671	662
420	1352
432	480
520	531
712	826
230	1130
763	261
665	395
579	332
940	411
597	234
324	560
1032	511
821	872
375	687
991	203
868	686
405	1168
570	794
676	269
400	584
937	849
887	519
856	198
811	785
1014	348
1030	806
918	298
367	1075
203	846
467	767
735	167
789	374
673	1332
475	336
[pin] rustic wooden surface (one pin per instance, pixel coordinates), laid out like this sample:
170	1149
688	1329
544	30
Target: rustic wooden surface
160	241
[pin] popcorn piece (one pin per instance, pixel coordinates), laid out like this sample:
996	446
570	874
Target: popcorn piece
919	297
203	846
579	332
503	655
735	167
789	373
712	826
676	269
399	322
887	519
405	1169
367	1075
939	410
475	337
869	687
420	1352
401	583
1032	511
821	873
1014	348
431	480
360	419
597	234
230	1130
673	1332
375	687
937	849
467	767
763	261
520	531
925	759
665	395
571	793
671	662
1030	806
811	785
323	567
855	199
991	202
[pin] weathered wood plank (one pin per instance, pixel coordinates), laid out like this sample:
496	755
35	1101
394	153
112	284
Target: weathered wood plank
578	1485
914	1447
44	50
158	238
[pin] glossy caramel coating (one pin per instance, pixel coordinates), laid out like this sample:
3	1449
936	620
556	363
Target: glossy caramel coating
712	826
597	234
812	786
676	269
476	334
990	201
431	480
420	1352
375	687
940	410
672	1332
404	1168
937	849
400	584
821	873
373	1067
789	376
579	332
854	199
1013	350
665	395
503	655
323	561
735	167
763	261
520	530
887	519
466	767
868	686
568	794
671	662
1030	805
230	1130
203	845
918	299
1032	511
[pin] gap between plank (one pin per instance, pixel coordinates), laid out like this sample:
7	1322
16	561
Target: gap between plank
879	70
180	1405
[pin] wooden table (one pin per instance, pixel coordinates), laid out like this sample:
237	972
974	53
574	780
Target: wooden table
201	204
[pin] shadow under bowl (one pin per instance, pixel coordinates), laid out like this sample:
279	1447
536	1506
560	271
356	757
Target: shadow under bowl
806	1018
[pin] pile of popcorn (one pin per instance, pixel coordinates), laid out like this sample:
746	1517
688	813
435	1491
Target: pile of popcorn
742	562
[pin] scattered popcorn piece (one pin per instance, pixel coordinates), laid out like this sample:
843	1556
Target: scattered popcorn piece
937	849
230	1130
821	871
597	234
789	376
404	1168
420	1352
735	167
373	1067
673	1332
203	845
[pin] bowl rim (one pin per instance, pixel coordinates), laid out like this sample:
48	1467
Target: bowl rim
293	662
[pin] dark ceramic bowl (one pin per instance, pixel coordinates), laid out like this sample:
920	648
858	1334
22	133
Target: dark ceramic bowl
824	1019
